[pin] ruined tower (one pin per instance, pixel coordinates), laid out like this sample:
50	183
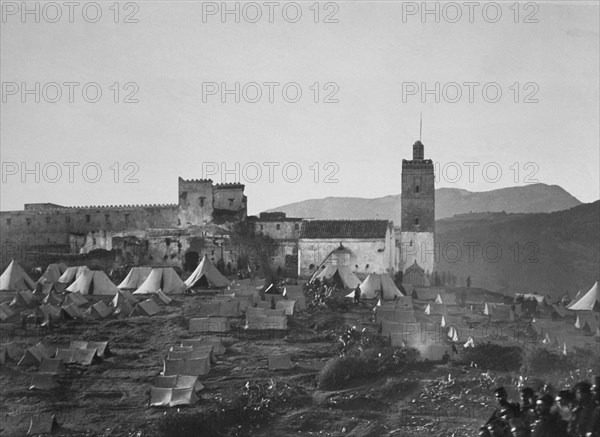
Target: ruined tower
417	224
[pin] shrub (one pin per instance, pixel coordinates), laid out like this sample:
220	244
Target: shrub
341	371
491	356
541	360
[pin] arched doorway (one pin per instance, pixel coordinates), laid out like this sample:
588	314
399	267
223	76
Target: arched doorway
191	261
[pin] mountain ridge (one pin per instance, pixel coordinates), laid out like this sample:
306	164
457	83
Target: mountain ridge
532	198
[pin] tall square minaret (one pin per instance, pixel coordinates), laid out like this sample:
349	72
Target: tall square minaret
417	224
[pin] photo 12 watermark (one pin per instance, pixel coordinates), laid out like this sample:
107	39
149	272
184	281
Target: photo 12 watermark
71	172
470	92
270	92
270	12
69	92
271	172
470	12
70	12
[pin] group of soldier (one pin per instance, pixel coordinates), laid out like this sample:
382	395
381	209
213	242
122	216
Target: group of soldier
573	412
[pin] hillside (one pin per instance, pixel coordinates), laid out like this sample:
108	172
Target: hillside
449	201
550	253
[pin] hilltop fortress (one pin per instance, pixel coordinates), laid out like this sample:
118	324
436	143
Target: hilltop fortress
204	218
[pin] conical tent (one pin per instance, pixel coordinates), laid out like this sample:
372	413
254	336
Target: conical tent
164	279
340	273
14	278
71	274
135	278
53	273
370	287
93	282
207	270
588	302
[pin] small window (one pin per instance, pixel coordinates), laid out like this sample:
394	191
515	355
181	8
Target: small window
296	227
94	240
87	218
261	227
201	200
230	202
47	219
8	222
28	221
417	189
106	217
416	220
126	218
68	219
278	226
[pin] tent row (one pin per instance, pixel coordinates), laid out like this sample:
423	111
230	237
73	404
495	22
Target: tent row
143	280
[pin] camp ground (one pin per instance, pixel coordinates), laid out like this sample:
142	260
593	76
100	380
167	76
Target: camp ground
144	353
206	275
164	279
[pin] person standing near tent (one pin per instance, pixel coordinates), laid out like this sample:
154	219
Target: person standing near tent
357	294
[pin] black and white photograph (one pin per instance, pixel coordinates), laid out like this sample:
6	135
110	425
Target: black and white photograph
348	218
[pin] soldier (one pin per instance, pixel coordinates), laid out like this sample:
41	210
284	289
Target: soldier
581	422
357	294
564	404
528	405
546	424
502	399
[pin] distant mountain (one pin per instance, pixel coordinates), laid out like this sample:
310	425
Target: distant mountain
449	201
549	253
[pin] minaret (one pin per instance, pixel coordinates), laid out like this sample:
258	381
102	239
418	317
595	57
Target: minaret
417	224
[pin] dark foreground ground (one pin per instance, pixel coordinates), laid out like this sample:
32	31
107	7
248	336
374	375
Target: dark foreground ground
110	398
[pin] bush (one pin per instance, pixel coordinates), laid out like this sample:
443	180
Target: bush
491	356
341	371
541	360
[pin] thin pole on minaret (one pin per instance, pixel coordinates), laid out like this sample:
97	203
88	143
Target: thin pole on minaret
420	126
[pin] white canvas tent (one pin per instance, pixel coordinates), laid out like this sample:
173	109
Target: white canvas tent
71	274
588	302
93	282
172	397
14	278
53	273
341	273
371	286
135	278
164	279
206	274
587	320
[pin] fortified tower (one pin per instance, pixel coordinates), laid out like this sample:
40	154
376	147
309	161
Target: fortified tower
195	202
417	224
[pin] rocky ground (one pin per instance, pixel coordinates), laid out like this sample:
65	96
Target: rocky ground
110	398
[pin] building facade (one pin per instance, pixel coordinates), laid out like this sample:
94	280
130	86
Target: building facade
370	245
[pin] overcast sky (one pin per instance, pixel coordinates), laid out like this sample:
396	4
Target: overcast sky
369	61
